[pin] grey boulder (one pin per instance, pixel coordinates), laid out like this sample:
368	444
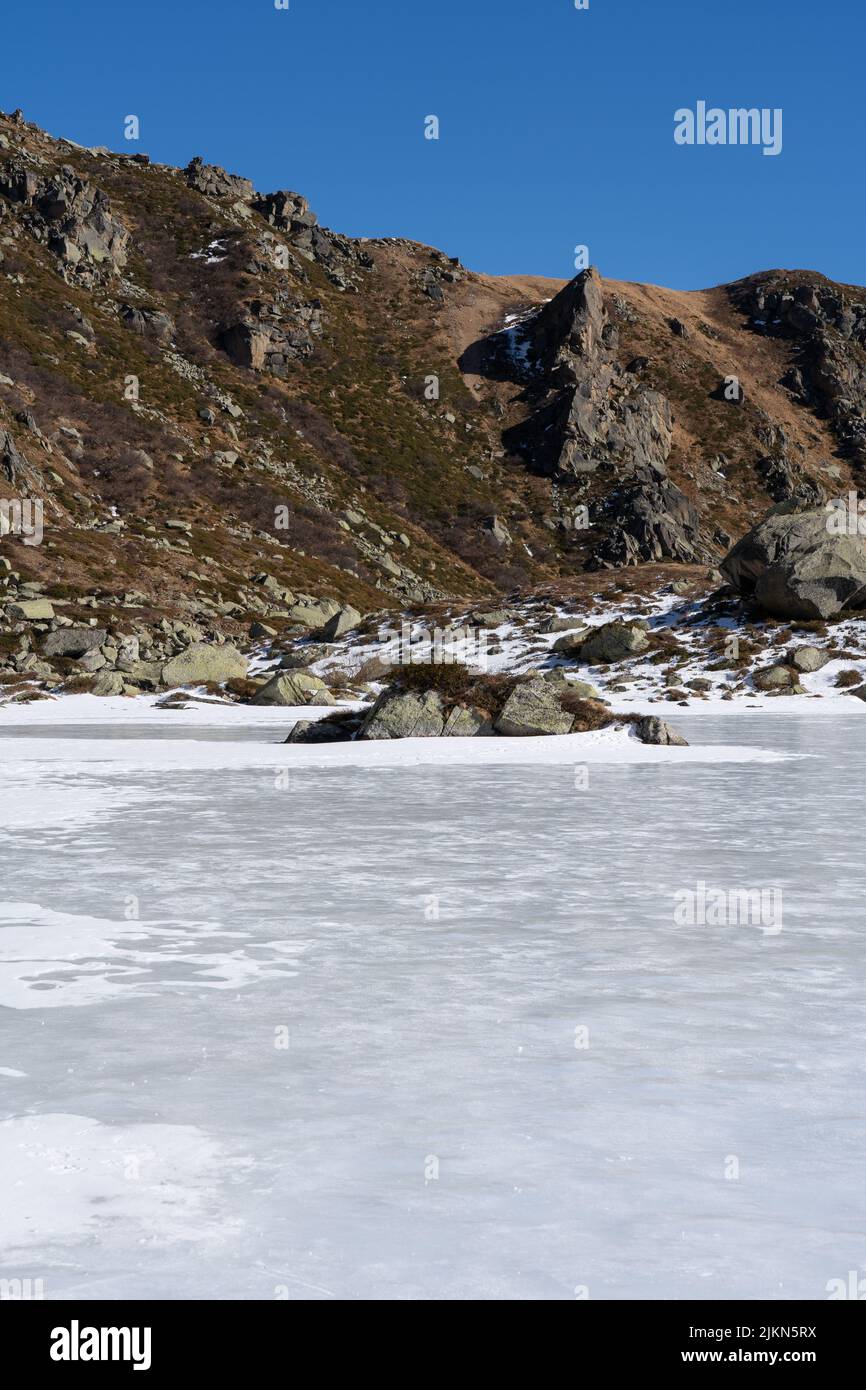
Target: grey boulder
653	730
31	610
775	678
74	641
314	615
613	642
404	714
294	688
793	566
809	658
346	620
202	663
571	643
533	708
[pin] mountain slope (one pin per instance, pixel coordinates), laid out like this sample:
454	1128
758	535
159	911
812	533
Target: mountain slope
205	387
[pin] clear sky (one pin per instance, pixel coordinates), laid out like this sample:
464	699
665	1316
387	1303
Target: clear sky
556	123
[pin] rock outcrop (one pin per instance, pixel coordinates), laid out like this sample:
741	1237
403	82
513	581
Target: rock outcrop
829	328
604	417
793	566
71	215
214	182
73	641
594	417
290	214
148	323
266	337
648	521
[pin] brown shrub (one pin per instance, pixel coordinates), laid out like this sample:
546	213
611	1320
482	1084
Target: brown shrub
848	678
242	687
588	714
456	684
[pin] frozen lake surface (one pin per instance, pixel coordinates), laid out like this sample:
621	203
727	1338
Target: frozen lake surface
270	1029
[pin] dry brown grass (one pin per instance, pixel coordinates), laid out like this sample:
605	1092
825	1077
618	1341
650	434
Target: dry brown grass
845	679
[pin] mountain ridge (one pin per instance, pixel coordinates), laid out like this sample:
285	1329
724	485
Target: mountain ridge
186	363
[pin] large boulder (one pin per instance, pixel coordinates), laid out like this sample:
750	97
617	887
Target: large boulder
70	213
404	714
775	678
202	663
294	688
809	659
613	642
346	620
74	641
533	708
31	610
314	615
794	566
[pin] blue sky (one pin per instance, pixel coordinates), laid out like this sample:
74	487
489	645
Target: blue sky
556	124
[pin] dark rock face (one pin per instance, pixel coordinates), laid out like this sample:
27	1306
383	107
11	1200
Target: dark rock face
72	216
782	475
148	323
74	641
651	521
828	377
11	462
14	467
603	415
594	418
291	214
214	182
266	337
341	730
794	567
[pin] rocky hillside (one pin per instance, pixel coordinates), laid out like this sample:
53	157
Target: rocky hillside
229	411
